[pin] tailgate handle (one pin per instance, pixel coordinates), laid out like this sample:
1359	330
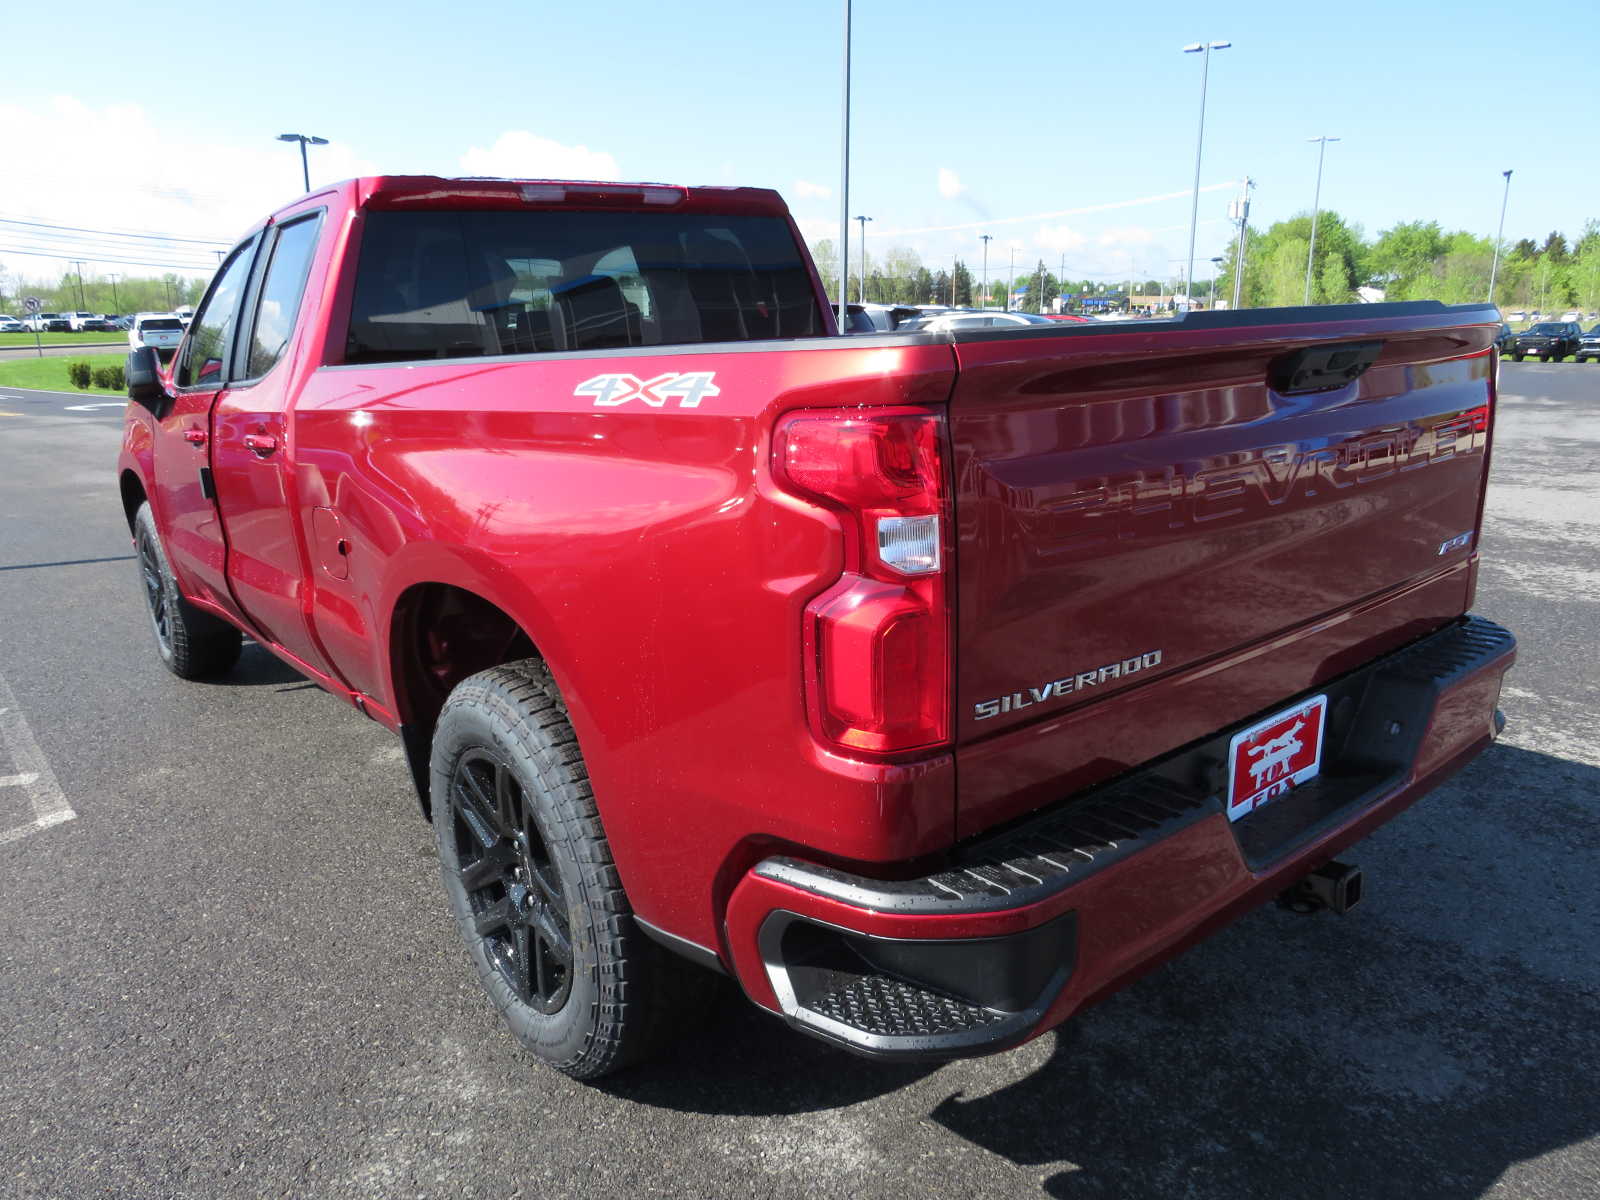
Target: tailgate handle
1319	368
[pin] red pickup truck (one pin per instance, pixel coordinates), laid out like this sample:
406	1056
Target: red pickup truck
933	686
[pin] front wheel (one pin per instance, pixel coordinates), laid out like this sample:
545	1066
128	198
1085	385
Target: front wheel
192	644
1517	357
530	880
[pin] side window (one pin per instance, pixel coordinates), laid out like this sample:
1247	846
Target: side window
212	327
281	291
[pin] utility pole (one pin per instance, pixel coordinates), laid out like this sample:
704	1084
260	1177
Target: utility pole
1011	277
955	261
114	276
844	181
1211	300
1061	282
863	221
1499	234
1203	49
986	239
1040	276
1242	215
75	262
1316	206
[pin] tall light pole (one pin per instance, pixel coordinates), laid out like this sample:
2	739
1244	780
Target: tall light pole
863	221
115	303
986	239
1203	49
844	180
1011	277
1316	207
1494	267
305	140
1211	301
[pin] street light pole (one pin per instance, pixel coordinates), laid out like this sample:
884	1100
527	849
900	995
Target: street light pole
1011	277
844	180
1203	49
1316	207
305	140
863	221
1499	234
1211	301
986	239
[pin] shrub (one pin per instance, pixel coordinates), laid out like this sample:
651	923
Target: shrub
110	378
79	373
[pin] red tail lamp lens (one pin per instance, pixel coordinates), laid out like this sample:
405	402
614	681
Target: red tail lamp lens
880	636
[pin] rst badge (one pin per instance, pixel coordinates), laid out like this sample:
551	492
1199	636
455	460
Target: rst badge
687	388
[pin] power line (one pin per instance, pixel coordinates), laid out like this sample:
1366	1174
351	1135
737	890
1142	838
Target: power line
152	237
50	252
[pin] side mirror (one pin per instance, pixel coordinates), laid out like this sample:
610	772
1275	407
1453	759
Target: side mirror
143	374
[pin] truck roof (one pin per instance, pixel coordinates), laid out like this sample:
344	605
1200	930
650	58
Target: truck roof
434	191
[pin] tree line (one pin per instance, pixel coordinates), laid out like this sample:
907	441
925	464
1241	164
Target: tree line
100	294
1413	260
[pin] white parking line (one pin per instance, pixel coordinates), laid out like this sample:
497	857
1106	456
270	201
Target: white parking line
32	772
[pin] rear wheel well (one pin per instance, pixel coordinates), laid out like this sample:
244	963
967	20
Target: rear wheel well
132	496
440	635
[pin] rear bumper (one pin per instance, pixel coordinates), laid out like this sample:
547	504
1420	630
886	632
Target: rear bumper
1026	926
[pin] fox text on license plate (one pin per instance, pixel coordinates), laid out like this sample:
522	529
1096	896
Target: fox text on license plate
1274	755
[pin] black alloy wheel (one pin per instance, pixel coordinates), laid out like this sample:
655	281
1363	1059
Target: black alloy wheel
155	592
519	907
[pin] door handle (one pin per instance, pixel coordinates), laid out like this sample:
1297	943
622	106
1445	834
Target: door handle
195	436
262	444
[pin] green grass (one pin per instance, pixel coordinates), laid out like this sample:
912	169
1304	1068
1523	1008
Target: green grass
62	339
50	374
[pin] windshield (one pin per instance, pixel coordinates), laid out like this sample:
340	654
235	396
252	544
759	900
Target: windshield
1548	327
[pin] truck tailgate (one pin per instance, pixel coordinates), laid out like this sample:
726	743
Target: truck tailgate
1141	501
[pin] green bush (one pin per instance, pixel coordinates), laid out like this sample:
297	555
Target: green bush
110	378
79	373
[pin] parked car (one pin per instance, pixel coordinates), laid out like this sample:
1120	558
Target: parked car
1548	340
49	323
1502	341
1588	346
980	319
160	331
11	325
82	322
933	686
879	318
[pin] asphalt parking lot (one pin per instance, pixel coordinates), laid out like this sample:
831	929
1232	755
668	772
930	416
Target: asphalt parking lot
228	968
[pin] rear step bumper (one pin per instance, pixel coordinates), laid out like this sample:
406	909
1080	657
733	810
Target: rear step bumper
1027	925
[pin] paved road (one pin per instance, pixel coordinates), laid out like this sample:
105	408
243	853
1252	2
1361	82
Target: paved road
109	346
231	973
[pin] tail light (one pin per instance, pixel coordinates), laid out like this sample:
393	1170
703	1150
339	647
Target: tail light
878	640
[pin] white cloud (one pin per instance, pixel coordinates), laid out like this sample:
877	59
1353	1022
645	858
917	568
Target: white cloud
1063	239
949	184
519	154
1127	235
815	229
111	168
804	189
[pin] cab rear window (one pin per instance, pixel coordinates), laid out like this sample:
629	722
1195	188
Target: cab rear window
449	284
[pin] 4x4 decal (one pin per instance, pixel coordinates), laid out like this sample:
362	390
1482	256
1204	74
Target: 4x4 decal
688	388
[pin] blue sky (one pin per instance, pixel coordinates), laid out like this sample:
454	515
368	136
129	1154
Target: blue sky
1017	109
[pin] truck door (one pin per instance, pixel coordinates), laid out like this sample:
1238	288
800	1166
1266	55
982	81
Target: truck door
251	450
183	500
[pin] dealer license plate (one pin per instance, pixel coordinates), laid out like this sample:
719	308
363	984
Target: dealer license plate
1274	756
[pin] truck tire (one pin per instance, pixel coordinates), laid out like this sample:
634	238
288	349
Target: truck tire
1516	358
192	644
530	881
